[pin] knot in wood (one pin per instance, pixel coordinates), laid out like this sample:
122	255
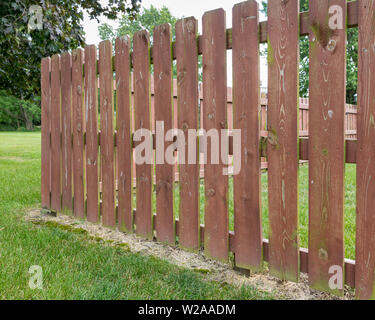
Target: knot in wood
210	192
162	183
190	26
331	46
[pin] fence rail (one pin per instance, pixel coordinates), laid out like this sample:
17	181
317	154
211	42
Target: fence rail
87	162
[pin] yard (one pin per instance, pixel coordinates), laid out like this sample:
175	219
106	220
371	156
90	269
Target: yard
73	266
76	268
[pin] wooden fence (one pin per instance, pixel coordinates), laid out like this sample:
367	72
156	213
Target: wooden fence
73	146
350	116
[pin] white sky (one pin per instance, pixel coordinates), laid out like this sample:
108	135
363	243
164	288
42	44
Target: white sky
182	8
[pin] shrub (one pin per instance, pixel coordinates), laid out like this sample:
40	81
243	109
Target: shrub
16	114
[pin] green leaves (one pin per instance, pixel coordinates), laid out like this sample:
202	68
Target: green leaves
21	50
16	113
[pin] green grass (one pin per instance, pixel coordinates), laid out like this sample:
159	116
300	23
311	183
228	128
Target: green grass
73	266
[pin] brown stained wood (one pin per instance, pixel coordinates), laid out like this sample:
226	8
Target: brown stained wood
124	145
187	99
66	130
45	134
246	103
91	119
107	160
365	240
55	134
142	105
326	145
215	117
164	116
78	123
352	22
283	60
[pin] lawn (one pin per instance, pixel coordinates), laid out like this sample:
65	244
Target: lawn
73	266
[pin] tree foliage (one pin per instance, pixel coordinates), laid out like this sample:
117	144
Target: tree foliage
147	19
16	113
21	49
351	59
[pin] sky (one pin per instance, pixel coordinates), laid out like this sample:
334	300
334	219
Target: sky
183	8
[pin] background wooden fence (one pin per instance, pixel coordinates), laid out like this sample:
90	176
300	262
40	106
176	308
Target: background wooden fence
75	145
350	116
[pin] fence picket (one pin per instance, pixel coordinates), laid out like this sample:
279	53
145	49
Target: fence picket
78	131
142	106
124	145
187	100
91	116
326	144
215	117
162	53
66	130
283	56
365	241
247	206
107	160
45	134
55	134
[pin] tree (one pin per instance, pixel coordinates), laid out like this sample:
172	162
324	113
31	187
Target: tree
16	113
147	19
351	58
22	48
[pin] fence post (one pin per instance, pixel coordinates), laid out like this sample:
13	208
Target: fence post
142	106
365	241
187	99
91	117
107	160
246	106
216	241
46	133
162	54
124	143
55	134
78	132
326	145
66	130
282	150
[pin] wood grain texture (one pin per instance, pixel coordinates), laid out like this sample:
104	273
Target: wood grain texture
187	100
66	130
142	105
91	119
107	149
55	134
326	144
124	145
215	117
283	60
365	241
246	105
78	132
163	76
45	134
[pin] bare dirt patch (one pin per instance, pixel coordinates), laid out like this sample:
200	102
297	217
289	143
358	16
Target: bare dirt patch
213	270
